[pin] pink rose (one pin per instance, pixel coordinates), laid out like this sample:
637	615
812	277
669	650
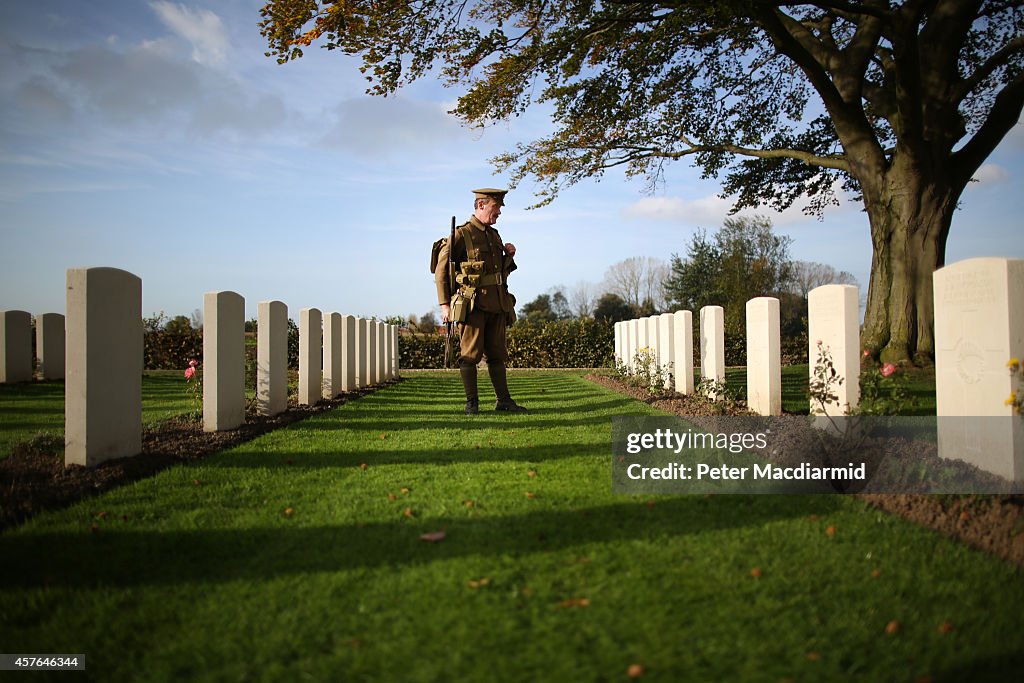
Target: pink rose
190	372
192	363
888	369
867	352
819	342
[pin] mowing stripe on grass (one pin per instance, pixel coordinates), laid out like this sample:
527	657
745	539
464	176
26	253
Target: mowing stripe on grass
284	558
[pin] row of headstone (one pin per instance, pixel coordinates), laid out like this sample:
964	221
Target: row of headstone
104	361
337	353
667	340
17	363
979	333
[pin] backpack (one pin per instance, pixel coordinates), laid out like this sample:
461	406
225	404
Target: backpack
435	253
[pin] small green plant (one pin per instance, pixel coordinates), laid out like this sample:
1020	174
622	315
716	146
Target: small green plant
645	372
883	389
822	386
194	383
719	396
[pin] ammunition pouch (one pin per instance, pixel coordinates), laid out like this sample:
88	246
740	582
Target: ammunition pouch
460	307
488	280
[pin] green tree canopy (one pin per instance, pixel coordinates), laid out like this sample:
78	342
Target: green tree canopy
899	102
613	308
745	260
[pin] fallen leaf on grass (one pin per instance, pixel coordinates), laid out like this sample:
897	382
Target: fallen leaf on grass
945	627
391	496
433	536
288	512
812	657
756	572
469	503
892	627
649	503
531	494
408	512
875	573
532	474
477	583
405	491
101	515
363	466
575	602
196	482
635	670
831	531
383	436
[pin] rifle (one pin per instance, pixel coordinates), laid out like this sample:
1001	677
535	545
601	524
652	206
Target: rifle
449	337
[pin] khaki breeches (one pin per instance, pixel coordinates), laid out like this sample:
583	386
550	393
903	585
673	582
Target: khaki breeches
483	333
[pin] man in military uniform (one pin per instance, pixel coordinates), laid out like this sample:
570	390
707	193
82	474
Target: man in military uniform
482	265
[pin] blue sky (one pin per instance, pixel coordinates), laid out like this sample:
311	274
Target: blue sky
156	137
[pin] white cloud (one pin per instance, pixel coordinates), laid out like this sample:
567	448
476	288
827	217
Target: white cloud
991	174
710	211
147	85
201	28
374	127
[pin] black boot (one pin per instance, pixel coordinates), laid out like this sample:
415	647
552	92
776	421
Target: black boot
498	378
468	374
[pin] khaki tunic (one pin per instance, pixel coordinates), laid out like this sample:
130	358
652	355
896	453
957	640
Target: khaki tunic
484	329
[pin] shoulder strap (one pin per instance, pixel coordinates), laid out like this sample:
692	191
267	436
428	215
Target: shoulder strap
467	235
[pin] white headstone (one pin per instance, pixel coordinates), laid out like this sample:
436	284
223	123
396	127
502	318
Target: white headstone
311	363
333	355
979	327
381	372
712	344
271	357
50	346
634	343
349	353
370	354
395	370
764	364
833	318
617	348
362	352
103	386
15	347
682	352
223	361
666	347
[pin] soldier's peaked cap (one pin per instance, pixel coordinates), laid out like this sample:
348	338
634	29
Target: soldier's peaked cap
492	193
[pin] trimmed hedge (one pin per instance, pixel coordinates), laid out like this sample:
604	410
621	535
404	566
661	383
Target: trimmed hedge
172	350
558	344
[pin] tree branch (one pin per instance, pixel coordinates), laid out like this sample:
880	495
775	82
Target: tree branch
998	59
1003	116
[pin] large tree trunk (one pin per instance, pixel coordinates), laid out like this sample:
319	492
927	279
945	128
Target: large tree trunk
910	212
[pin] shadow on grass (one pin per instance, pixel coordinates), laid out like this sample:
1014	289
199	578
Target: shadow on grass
115	555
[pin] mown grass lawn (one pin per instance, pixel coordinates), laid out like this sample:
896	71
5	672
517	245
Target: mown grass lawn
37	408
297	556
